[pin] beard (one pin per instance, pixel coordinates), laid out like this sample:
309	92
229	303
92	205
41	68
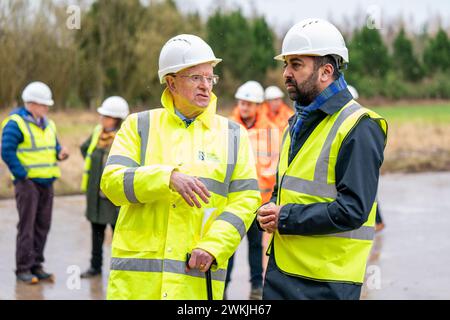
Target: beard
305	92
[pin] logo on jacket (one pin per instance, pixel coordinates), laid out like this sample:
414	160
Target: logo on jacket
205	156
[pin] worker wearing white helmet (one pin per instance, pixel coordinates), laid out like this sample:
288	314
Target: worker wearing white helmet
31	150
99	210
186	182
263	137
275	109
322	212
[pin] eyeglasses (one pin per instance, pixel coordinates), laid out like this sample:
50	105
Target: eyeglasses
198	79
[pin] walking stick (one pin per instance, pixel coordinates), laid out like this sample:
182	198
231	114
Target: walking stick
209	284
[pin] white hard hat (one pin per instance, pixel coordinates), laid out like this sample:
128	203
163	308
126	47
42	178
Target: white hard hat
250	91
314	37
38	92
115	107
353	92
184	51
273	92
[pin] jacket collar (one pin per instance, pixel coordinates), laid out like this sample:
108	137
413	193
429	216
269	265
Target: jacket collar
205	117
27	116
331	106
336	102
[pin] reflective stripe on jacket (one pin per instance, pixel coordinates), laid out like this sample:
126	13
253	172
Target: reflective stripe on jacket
37	152
310	178
156	227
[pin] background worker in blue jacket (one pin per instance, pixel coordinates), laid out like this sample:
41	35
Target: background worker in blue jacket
31	149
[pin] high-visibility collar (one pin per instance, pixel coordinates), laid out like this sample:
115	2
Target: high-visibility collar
205	117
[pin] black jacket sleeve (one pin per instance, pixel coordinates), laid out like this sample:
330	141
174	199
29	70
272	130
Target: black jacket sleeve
357	172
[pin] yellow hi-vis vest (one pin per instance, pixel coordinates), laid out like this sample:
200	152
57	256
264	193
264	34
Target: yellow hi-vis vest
37	152
87	162
156	228
310	178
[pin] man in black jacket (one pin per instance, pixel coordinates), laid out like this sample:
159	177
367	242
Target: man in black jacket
322	212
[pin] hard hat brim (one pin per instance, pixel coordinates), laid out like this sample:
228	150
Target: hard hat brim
313	53
104	112
180	67
47	103
245	98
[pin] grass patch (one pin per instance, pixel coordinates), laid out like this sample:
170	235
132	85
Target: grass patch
439	113
419	137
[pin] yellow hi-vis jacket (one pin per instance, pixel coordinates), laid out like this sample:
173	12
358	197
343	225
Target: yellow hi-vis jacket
310	178
37	152
87	162
156	228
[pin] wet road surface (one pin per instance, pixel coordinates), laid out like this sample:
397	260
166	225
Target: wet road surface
409	259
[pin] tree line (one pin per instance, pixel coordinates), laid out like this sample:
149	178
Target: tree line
116	50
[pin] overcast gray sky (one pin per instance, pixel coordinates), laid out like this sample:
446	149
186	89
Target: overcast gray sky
281	14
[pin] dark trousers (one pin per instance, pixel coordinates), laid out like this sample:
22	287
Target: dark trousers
34	204
254	236
98	236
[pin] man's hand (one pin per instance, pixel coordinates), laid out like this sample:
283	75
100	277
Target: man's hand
268	217
63	154
200	260
187	187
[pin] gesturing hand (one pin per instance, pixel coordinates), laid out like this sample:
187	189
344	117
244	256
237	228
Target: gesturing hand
188	187
63	154
268	217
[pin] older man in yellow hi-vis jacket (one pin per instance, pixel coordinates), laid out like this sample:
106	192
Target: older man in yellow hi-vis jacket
185	179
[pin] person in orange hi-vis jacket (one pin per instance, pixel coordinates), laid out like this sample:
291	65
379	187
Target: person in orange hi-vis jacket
265	140
276	110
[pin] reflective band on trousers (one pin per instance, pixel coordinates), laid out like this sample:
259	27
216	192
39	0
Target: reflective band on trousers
234	220
159	265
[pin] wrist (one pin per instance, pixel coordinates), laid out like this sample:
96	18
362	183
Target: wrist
172	177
